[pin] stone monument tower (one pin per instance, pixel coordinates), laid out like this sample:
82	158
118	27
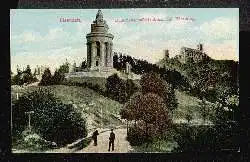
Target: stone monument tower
99	45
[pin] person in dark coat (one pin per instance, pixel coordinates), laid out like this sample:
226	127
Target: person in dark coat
94	137
111	140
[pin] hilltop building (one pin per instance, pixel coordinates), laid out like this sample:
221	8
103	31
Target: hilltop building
195	54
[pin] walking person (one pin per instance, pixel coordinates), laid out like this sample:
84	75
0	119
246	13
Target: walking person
111	140
94	137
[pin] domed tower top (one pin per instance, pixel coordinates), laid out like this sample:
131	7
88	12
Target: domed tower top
99	24
99	16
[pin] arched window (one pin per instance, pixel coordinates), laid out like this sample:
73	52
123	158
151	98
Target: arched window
89	54
98	48
106	53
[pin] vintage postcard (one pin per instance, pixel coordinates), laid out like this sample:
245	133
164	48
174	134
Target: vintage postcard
136	80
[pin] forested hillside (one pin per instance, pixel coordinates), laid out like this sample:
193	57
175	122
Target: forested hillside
217	81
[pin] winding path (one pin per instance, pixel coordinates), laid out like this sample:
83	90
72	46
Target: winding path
121	144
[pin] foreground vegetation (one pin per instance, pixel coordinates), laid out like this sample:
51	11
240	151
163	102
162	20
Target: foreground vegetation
164	96
51	119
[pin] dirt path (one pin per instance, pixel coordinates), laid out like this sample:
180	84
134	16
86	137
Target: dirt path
121	144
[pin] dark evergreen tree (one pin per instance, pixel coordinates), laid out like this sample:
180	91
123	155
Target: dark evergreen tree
171	101
46	78
57	77
27	75
23	77
28	70
16	80
116	88
130	88
64	68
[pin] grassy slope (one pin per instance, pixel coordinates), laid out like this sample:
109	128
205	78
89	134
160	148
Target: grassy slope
92	105
189	105
186	103
99	111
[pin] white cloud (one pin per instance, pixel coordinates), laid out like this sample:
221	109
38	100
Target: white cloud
35	37
54	34
221	28
24	37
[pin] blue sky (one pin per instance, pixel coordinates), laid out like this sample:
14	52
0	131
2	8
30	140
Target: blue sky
39	38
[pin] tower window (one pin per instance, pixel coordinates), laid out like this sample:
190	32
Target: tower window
97	63
98	48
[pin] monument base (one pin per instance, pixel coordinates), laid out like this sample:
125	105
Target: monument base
96	77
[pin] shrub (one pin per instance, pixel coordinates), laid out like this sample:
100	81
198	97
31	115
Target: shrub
136	136
53	120
206	138
116	88
153	83
46	78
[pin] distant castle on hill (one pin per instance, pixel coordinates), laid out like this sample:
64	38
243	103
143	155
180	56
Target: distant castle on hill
189	53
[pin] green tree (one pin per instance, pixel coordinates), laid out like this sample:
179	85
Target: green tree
150	109
204	110
28	70
27	76
16	80
130	88
153	111
64	68
52	119
171	101
131	109
58	77
46	78
153	83
116	88
188	115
